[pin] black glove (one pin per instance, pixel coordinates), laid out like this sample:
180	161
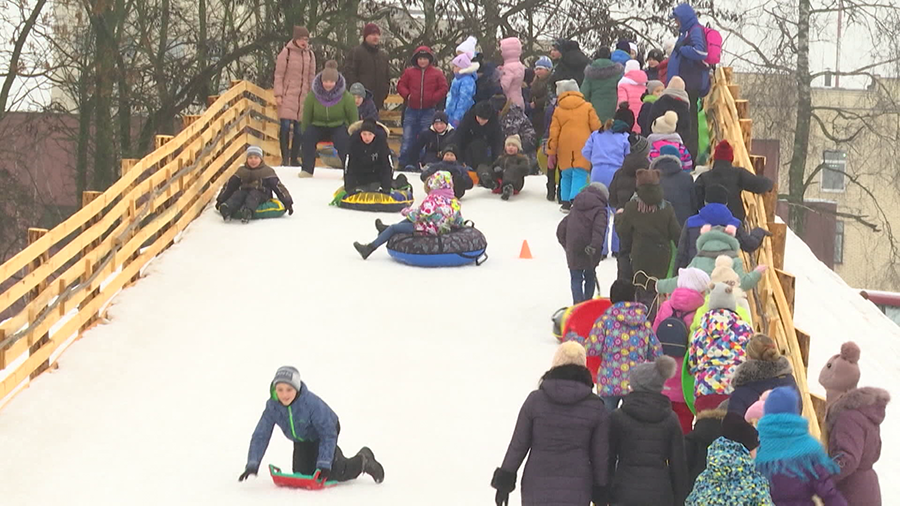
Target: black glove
248	471
504	482
598	496
218	205
322	475
502	498
290	209
590	250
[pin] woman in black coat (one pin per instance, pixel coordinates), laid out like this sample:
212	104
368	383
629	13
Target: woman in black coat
369	166
565	427
765	369
734	179
647	445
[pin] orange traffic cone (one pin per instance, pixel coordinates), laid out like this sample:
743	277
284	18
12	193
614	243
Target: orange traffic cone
526	251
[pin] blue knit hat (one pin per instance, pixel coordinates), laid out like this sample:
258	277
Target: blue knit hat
669	149
783	400
544	62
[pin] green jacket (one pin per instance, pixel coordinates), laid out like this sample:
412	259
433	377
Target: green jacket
600	87
342	113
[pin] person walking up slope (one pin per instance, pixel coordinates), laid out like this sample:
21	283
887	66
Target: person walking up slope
631	89
735	180
581	233
563	428
601	79
646	443
295	69
648	227
573	121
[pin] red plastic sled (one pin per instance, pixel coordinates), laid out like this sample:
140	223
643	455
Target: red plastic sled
303	481
580	319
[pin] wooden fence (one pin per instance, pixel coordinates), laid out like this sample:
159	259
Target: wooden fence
772	303
64	279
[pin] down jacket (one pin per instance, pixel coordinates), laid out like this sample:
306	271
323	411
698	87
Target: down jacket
461	97
512	73
329	108
707	429
308	418
601	79
422	88
585	225
571	64
853	424
710	246
735	180
687	58
564	429
678	187
513	121
440	212
295	69
754	377
647	446
262	178
730	479
624	181
462	181
631	89
368	163
574	120
716	215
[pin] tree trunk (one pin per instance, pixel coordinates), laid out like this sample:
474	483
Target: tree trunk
85	103
202	44
123	88
104	77
797	168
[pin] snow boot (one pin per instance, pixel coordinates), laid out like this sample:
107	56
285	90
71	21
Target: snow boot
371	466
400	182
303	174
551	185
364	249
380	226
507	192
284	139
295	152
246	215
565	207
225	211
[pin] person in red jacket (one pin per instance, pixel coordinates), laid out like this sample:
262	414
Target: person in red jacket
422	87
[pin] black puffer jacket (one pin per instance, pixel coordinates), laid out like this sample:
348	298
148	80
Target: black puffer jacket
678	187
584	226
735	180
648	448
433	143
624	181
488	83
368	163
667	103
570	66
754	377
707	429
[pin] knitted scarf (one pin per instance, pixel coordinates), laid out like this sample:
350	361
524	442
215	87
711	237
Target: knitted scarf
329	98
787	448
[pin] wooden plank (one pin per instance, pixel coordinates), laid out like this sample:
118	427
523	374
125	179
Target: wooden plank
788	286
86	199
747	132
779	237
727	74
161	140
212	99
126	165
821	409
33	235
743	108
803	340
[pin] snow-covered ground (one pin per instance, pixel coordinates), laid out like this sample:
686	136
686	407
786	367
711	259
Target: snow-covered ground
427	366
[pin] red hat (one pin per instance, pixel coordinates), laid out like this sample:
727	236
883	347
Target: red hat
371	28
724	152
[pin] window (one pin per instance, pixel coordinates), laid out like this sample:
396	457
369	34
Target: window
834	170
838	242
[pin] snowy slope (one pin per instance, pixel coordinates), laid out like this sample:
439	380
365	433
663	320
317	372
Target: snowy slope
427	367
832	313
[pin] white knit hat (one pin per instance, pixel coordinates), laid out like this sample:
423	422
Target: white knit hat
724	272
570	353
566	85
467	46
665	124
693	278
632	65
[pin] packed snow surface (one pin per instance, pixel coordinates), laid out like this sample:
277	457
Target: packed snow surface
428	367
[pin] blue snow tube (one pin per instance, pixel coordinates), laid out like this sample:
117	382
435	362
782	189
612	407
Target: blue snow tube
464	246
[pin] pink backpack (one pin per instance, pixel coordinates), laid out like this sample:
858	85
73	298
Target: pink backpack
713	45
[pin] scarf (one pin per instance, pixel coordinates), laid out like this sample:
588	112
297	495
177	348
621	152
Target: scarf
679	94
329	98
787	448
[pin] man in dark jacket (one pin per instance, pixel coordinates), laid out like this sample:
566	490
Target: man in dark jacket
716	214
677	184
252	184
687	62
369	166
571	62
479	136
422	87
367	63
450	163
734	179
431	142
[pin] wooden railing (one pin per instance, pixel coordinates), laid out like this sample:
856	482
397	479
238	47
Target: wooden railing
772	303
64	279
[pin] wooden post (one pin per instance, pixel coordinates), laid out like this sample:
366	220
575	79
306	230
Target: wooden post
821	408
770	201
743	108
127	165
33	235
779	237
210	100
758	164
735	91
803	340
729	74
747	131
188	119
235	82
160	140
86	198
788	286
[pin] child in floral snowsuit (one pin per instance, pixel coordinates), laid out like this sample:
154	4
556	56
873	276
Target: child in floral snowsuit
438	214
622	338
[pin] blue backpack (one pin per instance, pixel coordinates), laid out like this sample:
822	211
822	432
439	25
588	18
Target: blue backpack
673	334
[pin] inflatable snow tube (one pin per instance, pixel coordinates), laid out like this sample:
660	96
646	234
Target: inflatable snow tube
329	156
374	201
460	247
272	208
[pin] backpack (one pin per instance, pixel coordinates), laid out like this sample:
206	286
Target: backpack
713	45
673	334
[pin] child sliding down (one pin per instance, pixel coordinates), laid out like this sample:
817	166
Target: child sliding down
507	177
252	184
313	427
438	214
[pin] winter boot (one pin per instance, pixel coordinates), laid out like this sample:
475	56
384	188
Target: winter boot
507	192
551	184
295	153
284	138
364	249
371	466
246	215
380	226
226	212
565	207
401	182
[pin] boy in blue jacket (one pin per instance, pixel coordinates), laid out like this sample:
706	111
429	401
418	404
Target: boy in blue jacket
306	420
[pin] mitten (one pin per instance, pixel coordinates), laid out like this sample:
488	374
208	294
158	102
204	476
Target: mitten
250	469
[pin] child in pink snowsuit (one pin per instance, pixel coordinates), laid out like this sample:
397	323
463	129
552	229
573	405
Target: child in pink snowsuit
631	89
682	304
512	73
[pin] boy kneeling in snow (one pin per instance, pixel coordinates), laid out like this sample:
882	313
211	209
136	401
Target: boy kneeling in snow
252	184
306	420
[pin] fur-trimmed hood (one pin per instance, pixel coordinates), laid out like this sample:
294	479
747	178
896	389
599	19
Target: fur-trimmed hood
604	68
760	370
712	414
870	401
667	164
358	124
